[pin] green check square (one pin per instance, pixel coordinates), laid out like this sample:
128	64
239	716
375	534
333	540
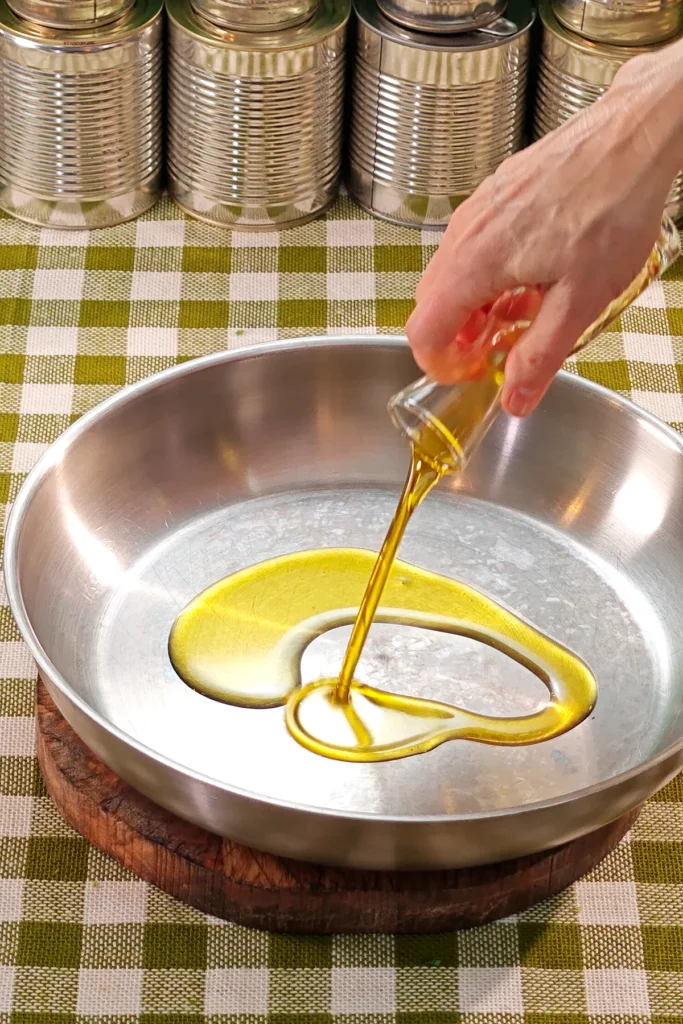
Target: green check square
550	946
299	951
199	313
104	313
663	947
15	311
659	863
556	1018
398	258
310	314
49	944
18	257
207	259
100	370
392	312
12	368
62	858
302	259
5	484
109	257
611	374
427	950
8	627
175	945
9	426
171	1018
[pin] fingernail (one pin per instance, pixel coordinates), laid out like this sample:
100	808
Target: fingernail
521	401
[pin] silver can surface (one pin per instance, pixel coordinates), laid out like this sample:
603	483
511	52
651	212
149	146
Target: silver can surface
573	73
255	119
443	15
622	22
256	15
80	131
71	14
432	116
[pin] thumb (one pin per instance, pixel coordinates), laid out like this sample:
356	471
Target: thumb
540	352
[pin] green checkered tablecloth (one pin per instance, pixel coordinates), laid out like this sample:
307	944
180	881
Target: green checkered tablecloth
81	940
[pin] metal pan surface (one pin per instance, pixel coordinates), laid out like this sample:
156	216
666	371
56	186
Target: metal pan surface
573	519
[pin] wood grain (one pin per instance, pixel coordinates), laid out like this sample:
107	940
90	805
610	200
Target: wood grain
257	889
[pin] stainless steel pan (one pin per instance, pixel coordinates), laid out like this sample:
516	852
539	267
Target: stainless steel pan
573	518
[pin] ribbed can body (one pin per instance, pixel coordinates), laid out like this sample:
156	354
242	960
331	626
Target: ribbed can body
81	120
255	15
443	15
255	132
573	73
621	22
430	122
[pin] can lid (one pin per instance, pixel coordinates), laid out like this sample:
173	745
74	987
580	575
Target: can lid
43	37
329	17
519	16
582	45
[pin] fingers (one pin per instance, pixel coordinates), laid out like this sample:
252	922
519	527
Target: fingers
539	354
457	286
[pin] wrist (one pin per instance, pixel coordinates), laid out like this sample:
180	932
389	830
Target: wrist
646	97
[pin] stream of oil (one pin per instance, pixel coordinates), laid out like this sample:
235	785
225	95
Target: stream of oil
241	641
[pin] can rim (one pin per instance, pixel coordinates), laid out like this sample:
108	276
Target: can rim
519	14
328	17
592	47
77	40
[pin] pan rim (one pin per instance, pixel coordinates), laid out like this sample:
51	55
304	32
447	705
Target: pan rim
57	449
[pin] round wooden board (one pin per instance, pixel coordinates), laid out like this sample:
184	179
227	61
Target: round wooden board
257	889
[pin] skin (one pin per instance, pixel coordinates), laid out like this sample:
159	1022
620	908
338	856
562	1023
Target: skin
577	213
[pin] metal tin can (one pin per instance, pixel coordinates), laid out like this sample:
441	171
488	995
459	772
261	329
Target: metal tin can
80	128
255	15
255	119
70	14
573	73
622	22
443	15
432	116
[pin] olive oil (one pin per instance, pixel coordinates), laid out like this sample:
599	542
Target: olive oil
242	640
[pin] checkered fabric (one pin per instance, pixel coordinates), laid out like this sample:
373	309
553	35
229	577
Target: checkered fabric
81	940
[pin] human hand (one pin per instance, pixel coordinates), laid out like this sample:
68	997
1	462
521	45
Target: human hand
576	215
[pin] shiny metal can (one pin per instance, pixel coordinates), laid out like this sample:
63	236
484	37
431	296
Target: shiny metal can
573	73
81	119
255	119
621	22
70	14
432	116
443	15
255	15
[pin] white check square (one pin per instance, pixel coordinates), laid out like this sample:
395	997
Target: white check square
156	234
491	990
58	284
236	990
152	341
51	341
159	285
254	287
47	399
348	286
617	991
363	990
115	902
105	991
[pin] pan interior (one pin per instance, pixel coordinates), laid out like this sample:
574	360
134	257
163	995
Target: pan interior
572	520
